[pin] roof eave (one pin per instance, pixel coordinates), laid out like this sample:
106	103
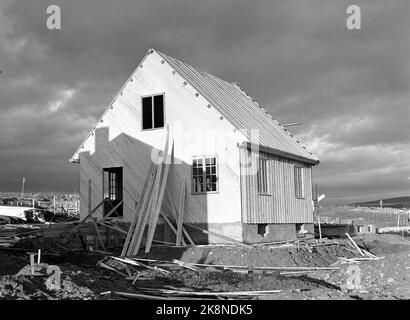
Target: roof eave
280	153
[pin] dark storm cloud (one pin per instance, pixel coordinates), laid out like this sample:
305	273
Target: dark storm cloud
349	88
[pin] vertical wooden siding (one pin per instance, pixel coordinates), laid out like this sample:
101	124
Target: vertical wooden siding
281	205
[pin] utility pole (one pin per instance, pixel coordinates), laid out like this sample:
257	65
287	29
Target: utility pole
22	188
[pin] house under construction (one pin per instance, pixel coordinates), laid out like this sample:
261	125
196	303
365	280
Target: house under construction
245	176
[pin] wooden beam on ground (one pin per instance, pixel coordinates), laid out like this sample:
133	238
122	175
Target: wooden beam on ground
180	214
220	236
293	268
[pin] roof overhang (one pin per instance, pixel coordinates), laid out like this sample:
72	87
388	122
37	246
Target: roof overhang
279	153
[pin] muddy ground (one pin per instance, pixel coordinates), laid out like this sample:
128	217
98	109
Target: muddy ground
82	279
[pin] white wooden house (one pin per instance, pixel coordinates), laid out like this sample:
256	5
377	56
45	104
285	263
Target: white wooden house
247	177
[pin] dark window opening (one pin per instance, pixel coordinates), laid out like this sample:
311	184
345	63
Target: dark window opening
112	186
263	229
147	113
300	230
204	175
153	115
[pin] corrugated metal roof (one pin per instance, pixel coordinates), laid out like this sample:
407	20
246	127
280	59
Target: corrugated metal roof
239	108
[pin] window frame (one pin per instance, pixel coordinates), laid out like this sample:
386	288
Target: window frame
302	182
260	192
153	110
203	157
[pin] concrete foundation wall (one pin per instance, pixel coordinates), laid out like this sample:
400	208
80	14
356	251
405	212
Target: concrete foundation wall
268	232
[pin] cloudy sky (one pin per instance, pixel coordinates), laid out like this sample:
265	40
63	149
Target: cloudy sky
350	88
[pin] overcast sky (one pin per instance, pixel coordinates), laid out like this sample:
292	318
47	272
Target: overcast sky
350	88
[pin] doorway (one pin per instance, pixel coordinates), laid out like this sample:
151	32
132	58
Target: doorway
112	191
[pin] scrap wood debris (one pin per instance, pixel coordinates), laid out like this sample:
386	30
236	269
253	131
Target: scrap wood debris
135	269
366	255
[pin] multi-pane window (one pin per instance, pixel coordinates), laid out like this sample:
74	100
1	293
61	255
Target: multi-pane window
204	175
262	176
299	183
153	112
112	186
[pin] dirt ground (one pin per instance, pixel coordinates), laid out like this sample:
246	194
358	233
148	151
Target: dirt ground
81	278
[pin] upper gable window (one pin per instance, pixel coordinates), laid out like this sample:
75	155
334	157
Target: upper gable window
153	116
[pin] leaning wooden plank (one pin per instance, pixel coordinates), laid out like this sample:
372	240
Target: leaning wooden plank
158	203
174	212
355	245
113	210
139	206
142	217
84	219
180	214
164	216
158	180
112	227
211	233
98	235
156	210
134	248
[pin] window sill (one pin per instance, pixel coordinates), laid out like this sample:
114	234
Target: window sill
202	193
264	194
151	129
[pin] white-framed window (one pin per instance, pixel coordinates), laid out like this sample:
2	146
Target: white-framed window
299	182
262	176
204	174
153	112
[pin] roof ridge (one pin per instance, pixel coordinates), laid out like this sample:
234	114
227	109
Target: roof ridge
221	94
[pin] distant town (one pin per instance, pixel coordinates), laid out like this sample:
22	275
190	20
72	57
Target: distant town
42	206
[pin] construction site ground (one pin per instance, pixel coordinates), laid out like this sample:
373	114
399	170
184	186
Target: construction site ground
81	278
